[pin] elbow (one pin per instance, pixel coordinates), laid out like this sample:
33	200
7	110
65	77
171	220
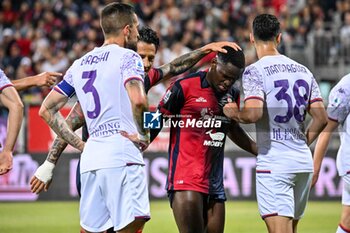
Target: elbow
43	112
20	106
17	106
140	103
252	117
324	121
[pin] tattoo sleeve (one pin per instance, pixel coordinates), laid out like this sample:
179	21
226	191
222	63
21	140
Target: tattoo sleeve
182	63
75	120
49	111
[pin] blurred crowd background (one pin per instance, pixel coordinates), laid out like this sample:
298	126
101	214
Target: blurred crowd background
47	35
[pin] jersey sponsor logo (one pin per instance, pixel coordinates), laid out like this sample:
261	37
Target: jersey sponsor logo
152	120
216	139
106	129
201	100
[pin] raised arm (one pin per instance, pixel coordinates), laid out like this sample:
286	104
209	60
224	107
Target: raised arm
11	100
45	79
43	176
188	60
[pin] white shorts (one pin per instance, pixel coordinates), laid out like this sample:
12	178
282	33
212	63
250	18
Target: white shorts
113	197
345	200
282	194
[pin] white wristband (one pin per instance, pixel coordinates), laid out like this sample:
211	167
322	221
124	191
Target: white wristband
45	172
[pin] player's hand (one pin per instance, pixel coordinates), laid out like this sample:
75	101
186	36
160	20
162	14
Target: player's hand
37	186
47	79
231	110
42	177
314	179
218	46
5	162
141	142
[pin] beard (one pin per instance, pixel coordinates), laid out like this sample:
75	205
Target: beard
129	44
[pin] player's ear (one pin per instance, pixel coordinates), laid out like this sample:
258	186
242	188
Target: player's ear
214	62
279	38
126	30
251	38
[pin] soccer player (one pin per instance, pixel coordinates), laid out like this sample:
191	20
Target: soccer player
108	82
11	100
278	93
146	47
338	115
197	139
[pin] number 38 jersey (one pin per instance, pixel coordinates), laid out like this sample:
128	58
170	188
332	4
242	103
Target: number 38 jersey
98	79
287	89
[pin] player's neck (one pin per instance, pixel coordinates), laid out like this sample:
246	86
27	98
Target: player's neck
266	49
114	40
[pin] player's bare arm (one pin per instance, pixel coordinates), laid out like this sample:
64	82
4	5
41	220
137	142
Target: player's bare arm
45	79
321	147
75	120
241	138
250	113
188	60
42	178
49	111
318	123
11	100
138	99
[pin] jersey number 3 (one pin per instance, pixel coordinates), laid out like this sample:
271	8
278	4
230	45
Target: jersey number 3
298	110
89	87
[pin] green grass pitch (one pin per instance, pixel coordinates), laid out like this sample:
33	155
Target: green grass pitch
241	217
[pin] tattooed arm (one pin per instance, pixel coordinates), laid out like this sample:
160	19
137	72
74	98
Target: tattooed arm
188	60
42	177
75	120
49	111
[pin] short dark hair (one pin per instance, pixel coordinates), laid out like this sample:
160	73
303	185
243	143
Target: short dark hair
115	16
149	36
232	56
266	27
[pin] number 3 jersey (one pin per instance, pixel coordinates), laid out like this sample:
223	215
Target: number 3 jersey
98	79
287	89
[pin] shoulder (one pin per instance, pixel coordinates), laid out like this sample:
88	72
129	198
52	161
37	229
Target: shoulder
190	79
129	54
342	88
234	91
252	69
